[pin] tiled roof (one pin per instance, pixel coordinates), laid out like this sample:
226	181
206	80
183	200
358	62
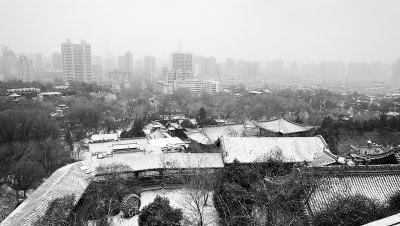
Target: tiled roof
374	150
106	147
393	220
68	180
251	149
157	134
157	161
282	125
199	138
214	132
378	182
73	180
164	142
324	158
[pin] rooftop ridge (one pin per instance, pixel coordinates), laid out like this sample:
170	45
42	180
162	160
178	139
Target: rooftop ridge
351	170
212	126
46	192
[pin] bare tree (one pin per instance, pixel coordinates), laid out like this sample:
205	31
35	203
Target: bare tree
198	185
267	192
106	193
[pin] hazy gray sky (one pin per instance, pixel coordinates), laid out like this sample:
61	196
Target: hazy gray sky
315	30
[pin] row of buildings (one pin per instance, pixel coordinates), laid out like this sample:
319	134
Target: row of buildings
28	67
182	76
150	161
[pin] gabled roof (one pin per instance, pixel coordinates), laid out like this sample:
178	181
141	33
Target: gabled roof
378	182
214	132
174	125
282	125
153	124
198	138
157	134
158	161
73	180
107	147
324	158
68	180
373	150
164	142
252	149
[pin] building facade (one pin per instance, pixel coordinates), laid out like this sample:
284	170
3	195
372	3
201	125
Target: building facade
182	61
121	63
211	86
25	69
76	61
194	85
250	69
128	62
39	64
396	72
149	65
57	62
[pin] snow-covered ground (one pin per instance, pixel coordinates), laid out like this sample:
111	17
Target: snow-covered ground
178	199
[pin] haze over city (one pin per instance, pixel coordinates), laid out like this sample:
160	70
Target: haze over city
302	31
199	112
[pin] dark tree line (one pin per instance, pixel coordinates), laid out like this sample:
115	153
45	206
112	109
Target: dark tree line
336	131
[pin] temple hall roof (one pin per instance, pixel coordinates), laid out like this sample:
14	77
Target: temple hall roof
282	125
252	149
378	182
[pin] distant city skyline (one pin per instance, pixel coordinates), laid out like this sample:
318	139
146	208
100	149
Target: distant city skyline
302	31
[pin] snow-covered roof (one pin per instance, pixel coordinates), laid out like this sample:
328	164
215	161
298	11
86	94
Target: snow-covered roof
15	95
74	178
68	180
289	149
165	142
50	94
199	138
157	134
378	182
214	132
125	146
105	137
282	125
106	147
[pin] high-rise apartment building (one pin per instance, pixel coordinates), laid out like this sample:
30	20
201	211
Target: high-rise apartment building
39	61
48	63
97	60
1	64
149	65
57	62
374	69
396	72
128	62
121	63
76	61
9	60
229	65
25	69
294	68
208	66
332	69
357	69
277	66
182	61
7	53
97	71
250	69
